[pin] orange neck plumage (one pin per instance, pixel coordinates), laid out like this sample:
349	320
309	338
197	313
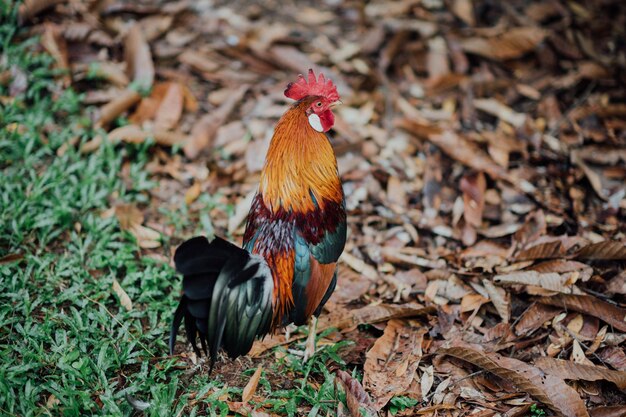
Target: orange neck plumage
300	168
299	179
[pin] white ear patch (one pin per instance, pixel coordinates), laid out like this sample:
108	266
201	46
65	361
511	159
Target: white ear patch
315	122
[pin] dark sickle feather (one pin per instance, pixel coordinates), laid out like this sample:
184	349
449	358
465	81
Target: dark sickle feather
178	318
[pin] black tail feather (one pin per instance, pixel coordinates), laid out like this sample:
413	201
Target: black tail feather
178	318
192	332
226	300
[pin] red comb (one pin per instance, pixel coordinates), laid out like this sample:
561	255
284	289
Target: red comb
320	87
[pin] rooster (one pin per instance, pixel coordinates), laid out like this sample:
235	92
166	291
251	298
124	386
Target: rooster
295	233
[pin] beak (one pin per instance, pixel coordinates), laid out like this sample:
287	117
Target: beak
336	103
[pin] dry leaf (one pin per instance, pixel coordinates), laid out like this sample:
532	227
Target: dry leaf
193	193
31	8
198	61
241	211
542	250
548	389
138	58
607	251
391	363
570	370
342	319
464	10
11	257
131	219
502	112
359	266
511	44
122	296
112	72
135	134
54	43
459	149
251	386
171	108
609	313
611	411
205	128
119	105
358	401
473	187
549	281
500	299
427	380
350	285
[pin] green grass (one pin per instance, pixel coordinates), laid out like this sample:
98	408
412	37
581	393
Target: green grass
67	347
536	411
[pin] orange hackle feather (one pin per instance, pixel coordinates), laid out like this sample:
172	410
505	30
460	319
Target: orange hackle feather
300	166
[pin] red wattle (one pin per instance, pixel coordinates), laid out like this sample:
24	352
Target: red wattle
327	119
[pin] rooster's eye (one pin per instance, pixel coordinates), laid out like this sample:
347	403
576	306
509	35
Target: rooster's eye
319	104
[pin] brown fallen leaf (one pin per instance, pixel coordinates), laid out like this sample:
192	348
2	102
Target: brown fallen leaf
198	61
138	58
359	403
114	108
458	148
241	211
112	72
610	411
427	380
511	44
205	128
609	313
359	266
464	10
437	58
501	111
135	134
250	388
129	134
548	389
342	319
193	192
534	227
372	314
608	250
54	43
125	300
562	265
11	257
543	250
550	281
565	369
500	298
154	26
350	285
290	57
473	187
391	363
31	8
131	219
171	108
614	356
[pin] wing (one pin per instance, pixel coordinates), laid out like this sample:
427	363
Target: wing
315	272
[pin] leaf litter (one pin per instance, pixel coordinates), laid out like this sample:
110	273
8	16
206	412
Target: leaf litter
481	149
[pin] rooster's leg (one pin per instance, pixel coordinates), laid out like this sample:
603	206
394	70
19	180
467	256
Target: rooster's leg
309	349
